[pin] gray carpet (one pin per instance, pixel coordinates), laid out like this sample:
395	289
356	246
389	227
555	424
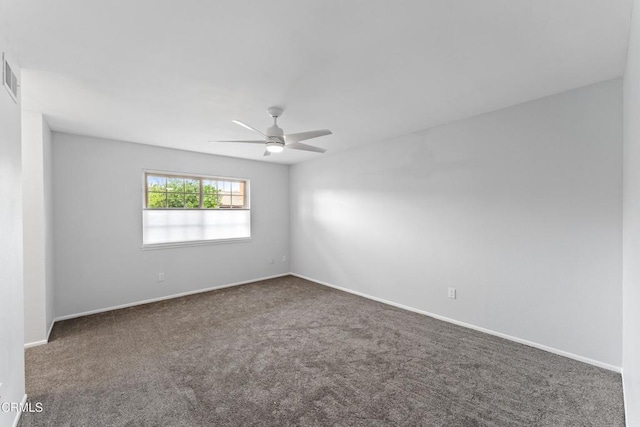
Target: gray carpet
290	352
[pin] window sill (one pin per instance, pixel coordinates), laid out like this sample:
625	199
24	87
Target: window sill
155	246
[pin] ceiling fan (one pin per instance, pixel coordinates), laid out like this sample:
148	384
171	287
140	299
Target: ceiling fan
276	140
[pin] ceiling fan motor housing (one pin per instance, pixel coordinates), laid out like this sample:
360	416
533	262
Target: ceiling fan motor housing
275	135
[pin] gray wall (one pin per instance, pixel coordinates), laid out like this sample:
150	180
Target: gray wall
11	274
98	225
519	209
631	248
38	227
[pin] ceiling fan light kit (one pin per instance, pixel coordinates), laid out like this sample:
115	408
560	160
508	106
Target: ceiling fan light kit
275	147
276	140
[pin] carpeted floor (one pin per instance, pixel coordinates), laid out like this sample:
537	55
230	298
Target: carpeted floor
290	352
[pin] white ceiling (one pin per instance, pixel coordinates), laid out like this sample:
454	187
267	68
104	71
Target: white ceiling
175	73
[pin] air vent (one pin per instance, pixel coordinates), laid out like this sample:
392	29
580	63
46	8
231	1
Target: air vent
9	79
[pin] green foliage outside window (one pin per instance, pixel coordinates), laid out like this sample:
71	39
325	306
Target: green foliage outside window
211	194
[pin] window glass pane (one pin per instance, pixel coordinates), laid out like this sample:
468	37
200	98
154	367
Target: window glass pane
192	201
225	200
156	183
192	185
175	184
209	186
211	201
235	187
157	200
224	186
175	200
237	201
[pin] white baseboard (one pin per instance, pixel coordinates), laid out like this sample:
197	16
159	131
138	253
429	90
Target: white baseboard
470	326
19	414
384	301
35	343
41	342
183	294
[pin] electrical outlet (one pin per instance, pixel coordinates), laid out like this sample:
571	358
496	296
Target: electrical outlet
284	258
452	293
160	277
273	261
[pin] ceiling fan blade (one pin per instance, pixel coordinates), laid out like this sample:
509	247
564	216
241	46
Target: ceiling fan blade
297	137
254	141
246	126
267	153
305	147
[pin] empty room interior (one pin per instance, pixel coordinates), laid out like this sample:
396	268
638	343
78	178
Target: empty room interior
336	212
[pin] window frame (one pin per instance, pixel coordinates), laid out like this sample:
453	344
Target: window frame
201	177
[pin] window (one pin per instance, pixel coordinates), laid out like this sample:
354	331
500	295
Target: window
183	208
